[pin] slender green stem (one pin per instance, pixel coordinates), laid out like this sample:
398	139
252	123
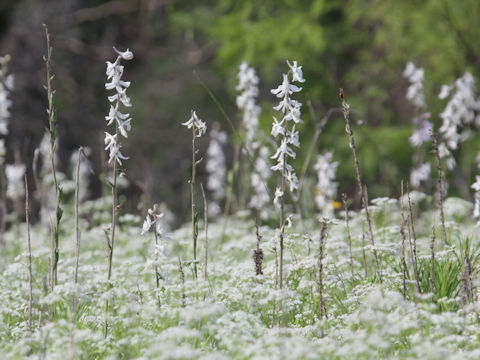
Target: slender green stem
30	277
53	136
192	191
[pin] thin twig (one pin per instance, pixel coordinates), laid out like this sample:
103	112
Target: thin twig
77	232
205	219
402	232
258	253
439	182
432	261
364	255
362	189
52	120
369	223
349	237
194	212
30	276
414	250
322	307
182	277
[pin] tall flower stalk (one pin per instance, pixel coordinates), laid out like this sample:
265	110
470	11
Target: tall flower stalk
122	126
198	129
416	96
6	87
52	129
362	189
290	110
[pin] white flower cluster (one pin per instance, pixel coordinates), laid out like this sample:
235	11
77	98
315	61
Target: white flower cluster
419	174
198	125
423	127
248	86
290	110
216	168
122	121
462	109
15	182
415	90
6	87
326	188
259	178
476	210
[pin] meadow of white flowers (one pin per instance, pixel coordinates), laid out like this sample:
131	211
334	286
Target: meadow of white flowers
381	282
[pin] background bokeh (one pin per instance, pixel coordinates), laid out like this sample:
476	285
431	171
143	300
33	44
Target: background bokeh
360	45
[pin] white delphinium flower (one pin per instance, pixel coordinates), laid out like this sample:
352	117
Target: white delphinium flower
423	127
420	174
259	178
199	126
246	102
290	110
153	218
198	129
415	90
216	168
476	210
15	184
462	109
6	87
326	188
122	121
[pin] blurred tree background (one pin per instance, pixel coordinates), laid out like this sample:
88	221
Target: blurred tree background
362	46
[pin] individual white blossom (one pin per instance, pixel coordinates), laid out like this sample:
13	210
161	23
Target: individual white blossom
199	126
278	197
246	102
15	180
153	218
122	121
326	188
216	168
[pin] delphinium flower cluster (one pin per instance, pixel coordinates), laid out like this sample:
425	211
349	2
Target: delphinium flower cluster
216	168
121	120
423	127
6	87
259	180
289	138
246	102
290	110
326	188
122	126
462	110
